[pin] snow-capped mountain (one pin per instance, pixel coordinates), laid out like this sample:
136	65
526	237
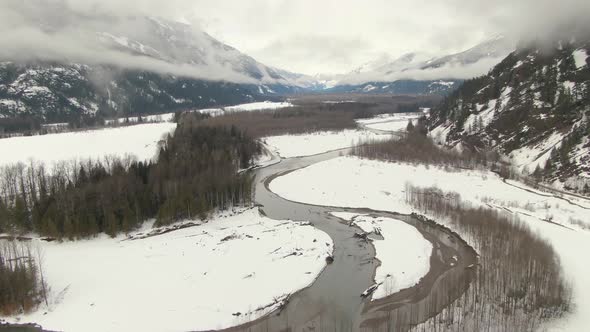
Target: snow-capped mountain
137	65
421	73
533	107
179	43
496	47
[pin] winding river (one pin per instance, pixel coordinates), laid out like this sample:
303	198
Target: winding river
334	302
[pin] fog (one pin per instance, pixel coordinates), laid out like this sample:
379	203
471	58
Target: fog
331	36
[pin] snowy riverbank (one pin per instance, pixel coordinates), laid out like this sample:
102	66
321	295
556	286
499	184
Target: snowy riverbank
355	182
230	270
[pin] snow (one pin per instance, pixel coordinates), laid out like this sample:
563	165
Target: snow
288	146
250	107
390	117
380	186
165	117
580	56
369	88
338	101
394	122
8	103
440	133
260	106
190	279
211	111
404	253
140	141
445	83
531	156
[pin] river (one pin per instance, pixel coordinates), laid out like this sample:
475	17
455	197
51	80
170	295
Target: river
334	302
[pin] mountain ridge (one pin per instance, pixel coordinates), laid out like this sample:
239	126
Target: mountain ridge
533	107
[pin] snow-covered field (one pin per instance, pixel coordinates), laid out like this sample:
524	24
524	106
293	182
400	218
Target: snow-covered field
404	253
265	105
250	107
390	122
391	117
196	278
140	141
380	186
354	182
288	146
166	117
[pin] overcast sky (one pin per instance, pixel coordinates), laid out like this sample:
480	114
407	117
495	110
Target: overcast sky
326	36
335	36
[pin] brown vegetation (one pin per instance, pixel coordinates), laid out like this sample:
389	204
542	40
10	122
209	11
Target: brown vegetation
21	282
416	147
519	283
295	120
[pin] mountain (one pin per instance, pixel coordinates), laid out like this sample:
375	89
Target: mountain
533	107
421	73
496	47
407	87
140	65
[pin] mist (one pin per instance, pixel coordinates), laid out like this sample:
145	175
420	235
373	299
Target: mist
305	36
74	32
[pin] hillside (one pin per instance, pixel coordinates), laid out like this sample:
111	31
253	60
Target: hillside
532	107
142	65
423	73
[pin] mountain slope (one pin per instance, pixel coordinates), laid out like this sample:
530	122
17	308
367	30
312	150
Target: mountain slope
421	73
142	65
533	107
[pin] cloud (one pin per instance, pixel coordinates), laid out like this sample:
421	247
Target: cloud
384	26
306	36
74	31
308	52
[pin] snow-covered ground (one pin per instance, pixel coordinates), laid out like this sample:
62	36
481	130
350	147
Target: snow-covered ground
580	56
404	253
354	182
531	156
166	117
140	141
259	106
288	146
380	186
195	278
390	122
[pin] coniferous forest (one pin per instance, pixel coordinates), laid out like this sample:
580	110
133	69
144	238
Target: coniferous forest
195	172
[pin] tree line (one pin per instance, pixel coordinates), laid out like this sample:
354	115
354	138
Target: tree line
195	172
21	279
417	147
519	282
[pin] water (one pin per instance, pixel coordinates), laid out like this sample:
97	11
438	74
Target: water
333	302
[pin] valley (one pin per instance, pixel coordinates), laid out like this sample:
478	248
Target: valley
294	166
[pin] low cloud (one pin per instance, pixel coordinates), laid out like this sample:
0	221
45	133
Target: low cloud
448	71
306	36
67	32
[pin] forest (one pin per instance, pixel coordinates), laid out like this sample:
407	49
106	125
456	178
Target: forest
519	282
417	147
196	171
22	284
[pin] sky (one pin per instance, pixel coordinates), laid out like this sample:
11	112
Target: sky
336	36
303	36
